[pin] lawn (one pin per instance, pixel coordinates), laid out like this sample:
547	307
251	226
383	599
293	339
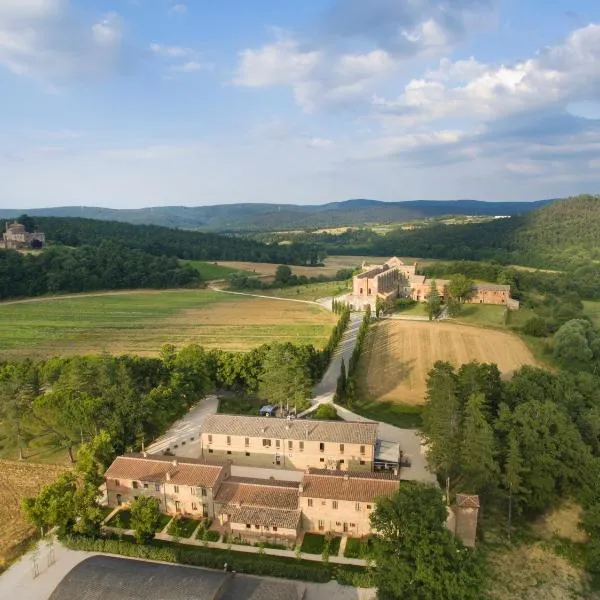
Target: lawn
163	521
209	271
122	519
141	322
183	527
313	543
334	545
592	310
312	291
359	547
405	416
484	315
418	309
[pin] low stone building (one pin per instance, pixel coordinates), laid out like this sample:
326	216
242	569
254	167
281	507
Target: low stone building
259	509
290	444
16	237
462	518
342	502
182	486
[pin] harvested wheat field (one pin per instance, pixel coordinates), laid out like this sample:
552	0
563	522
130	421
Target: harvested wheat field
19	480
399	354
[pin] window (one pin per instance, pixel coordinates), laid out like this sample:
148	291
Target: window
145	486
321	525
322	447
228	451
274	528
177	505
290	445
210	439
362	449
361	291
277	443
257	527
117	482
176	489
119	499
310	502
352	524
157	487
342	461
362	462
192	439
368	507
334	504
323	502
248	526
210	450
322	459
194	506
246	442
135	485
341	448
301	444
135	497
357	506
204	491
229	440
247	453
267	443
338	523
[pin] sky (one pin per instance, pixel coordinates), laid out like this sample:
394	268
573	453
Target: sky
135	103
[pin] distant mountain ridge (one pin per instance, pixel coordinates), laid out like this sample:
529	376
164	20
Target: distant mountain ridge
254	217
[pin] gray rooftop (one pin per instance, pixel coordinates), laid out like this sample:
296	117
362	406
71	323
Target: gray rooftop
269	427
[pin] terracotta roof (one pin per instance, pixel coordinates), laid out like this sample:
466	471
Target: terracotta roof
266	517
467	501
265	493
271	427
347	486
155	468
491	287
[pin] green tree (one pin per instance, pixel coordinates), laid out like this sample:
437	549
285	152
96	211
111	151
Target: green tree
145	516
286	377
512	477
479	469
577	345
434	301
54	506
94	457
590	523
340	390
460	288
283	275
416	556
326	412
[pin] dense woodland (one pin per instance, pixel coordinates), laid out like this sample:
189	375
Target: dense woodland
107	266
162	241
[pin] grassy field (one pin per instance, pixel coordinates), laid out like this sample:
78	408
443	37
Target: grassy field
19	480
399	354
141	322
486	315
209	271
312	291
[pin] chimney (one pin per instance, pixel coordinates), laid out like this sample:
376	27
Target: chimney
168	476
145	454
301	488
346	477
174	462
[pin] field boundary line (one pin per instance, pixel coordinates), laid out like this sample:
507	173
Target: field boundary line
312	302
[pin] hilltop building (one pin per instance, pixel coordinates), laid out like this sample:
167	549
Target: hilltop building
395	279
15	237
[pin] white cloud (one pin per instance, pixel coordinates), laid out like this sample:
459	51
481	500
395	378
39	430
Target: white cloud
171	51
556	76
319	143
40	39
179	58
178	9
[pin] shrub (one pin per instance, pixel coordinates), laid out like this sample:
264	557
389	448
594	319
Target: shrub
182	527
358	547
313	543
326	412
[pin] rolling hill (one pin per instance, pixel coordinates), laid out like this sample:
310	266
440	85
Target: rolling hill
558	235
261	217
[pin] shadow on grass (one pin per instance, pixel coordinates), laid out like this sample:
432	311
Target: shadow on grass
405	416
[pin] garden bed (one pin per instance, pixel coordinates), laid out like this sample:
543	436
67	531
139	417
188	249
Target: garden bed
121	520
359	548
313	543
182	527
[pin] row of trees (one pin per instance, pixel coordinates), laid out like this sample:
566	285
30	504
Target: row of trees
107	266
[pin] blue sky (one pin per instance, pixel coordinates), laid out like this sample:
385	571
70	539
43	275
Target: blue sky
132	103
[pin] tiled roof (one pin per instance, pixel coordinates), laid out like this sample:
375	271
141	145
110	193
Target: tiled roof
491	287
266	517
355	487
259	493
467	501
155	468
271	427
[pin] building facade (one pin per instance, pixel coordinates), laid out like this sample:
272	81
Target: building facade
342	502
394	279
289	444
15	237
181	486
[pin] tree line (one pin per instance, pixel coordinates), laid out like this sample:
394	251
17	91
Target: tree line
107	266
177	243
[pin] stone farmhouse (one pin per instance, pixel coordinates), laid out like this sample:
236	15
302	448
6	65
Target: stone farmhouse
289	444
252	509
394	279
17	238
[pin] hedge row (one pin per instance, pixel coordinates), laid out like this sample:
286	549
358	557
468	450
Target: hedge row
213	558
336	337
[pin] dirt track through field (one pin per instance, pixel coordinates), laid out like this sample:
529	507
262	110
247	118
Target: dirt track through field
399	354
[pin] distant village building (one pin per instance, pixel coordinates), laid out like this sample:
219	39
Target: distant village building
394	279
15	237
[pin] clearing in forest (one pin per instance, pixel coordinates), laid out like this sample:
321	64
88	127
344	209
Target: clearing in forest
398	355
19	480
140	322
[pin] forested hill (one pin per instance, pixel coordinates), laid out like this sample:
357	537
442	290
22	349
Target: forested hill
261	217
162	241
562	234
